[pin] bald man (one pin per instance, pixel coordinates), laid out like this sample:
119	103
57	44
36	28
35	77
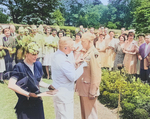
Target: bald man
64	75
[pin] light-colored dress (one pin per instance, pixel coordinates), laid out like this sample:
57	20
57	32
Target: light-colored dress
130	60
110	53
48	51
77	53
101	46
2	61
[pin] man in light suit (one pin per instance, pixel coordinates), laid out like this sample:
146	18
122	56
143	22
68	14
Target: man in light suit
144	57
87	85
64	74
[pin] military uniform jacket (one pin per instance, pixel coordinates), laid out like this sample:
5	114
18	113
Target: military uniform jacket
90	80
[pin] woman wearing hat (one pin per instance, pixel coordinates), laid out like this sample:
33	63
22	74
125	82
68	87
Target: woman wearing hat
29	105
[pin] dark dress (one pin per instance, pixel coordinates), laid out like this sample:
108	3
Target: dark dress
31	108
119	56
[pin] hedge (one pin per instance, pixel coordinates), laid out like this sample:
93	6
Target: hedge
134	95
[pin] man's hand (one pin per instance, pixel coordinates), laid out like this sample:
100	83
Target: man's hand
91	97
52	92
51	87
33	95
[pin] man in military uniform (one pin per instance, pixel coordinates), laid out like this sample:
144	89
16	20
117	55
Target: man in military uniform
87	85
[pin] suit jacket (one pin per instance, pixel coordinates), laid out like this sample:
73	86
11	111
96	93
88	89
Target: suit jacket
90	80
145	62
9	43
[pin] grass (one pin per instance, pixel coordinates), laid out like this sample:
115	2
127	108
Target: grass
8	100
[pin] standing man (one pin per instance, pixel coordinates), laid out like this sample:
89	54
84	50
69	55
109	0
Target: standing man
144	57
64	75
87	85
10	48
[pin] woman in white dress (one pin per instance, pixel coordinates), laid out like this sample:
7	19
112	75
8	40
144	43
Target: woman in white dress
110	53
77	51
48	50
2	53
100	46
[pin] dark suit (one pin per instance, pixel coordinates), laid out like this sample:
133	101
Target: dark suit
144	64
10	42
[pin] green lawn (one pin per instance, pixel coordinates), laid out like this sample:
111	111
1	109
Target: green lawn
8	100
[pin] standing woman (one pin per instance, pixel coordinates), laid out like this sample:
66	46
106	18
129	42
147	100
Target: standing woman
130	50
119	52
2	54
48	51
77	47
100	45
29	105
110	53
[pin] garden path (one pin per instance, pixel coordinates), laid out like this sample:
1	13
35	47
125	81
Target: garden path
103	112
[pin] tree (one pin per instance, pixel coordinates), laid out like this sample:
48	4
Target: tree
3	18
125	9
142	17
58	18
22	10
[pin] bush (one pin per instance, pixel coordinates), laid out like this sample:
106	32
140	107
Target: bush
111	25
134	94
127	110
140	114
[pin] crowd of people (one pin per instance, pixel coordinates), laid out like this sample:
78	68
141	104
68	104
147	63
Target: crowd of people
77	60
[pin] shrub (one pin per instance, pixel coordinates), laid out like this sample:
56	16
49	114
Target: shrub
111	25
140	114
134	94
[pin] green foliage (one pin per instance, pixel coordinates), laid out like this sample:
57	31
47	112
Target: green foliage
134	94
142	17
140	114
111	25
58	18
31	12
3	18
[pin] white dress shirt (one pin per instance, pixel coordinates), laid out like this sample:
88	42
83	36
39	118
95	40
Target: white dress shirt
63	70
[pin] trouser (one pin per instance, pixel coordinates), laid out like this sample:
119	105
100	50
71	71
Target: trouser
63	104
88	108
63	110
144	75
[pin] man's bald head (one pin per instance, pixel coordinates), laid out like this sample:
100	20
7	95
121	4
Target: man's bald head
65	41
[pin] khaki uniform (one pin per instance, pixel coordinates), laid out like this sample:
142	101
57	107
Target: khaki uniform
89	83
